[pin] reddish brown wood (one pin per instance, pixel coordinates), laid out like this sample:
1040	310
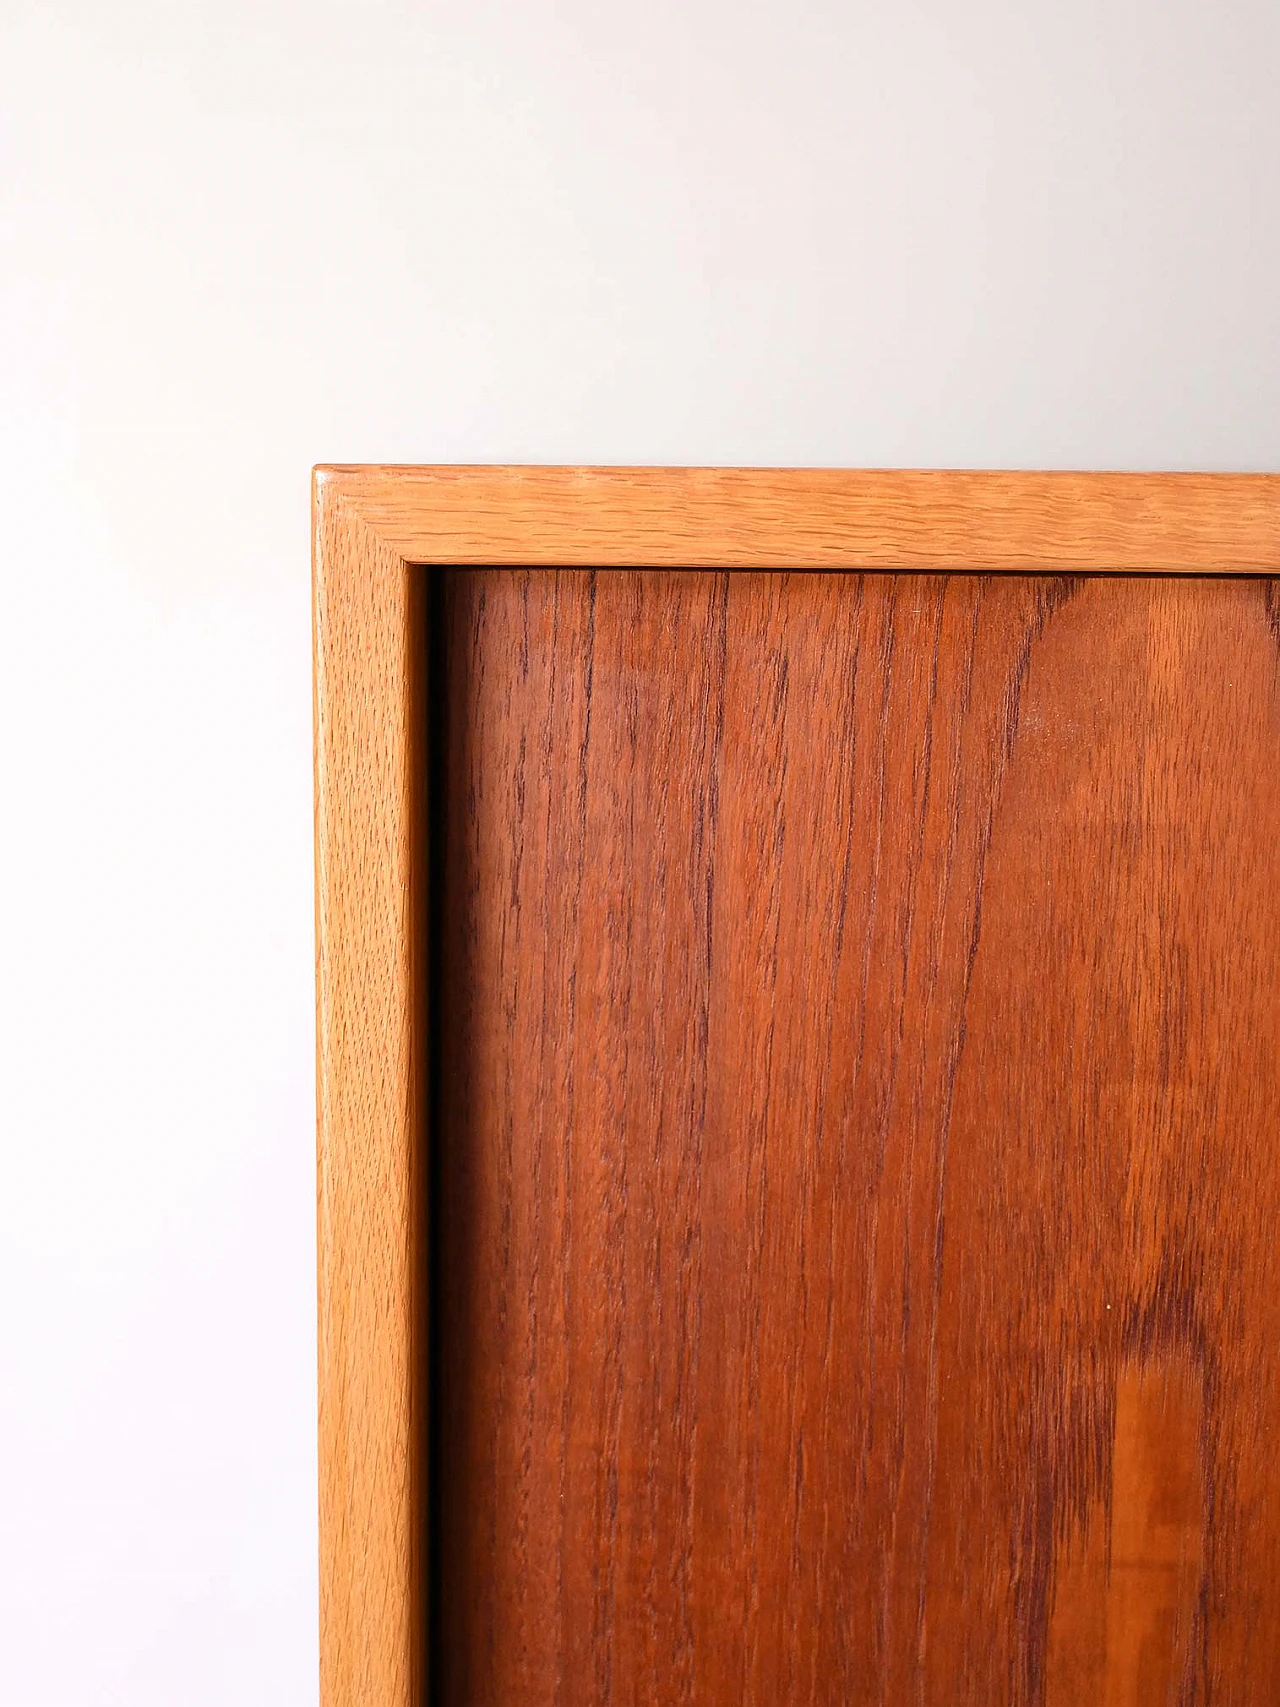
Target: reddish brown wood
858	1140
376	531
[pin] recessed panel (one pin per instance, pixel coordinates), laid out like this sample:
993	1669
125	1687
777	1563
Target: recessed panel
858	1142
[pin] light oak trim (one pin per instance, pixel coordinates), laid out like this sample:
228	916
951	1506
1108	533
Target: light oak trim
372	526
369	1099
820	518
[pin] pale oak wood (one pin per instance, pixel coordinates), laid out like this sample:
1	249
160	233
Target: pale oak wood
372	526
729	518
368	1075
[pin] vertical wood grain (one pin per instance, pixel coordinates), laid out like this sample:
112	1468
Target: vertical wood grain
370	1042
858	1143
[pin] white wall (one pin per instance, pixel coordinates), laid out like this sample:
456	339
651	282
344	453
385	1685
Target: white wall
240	238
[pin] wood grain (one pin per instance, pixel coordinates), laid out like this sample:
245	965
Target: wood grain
858	1134
370	1068
373	526
815	518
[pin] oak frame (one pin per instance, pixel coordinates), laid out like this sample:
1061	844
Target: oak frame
373	528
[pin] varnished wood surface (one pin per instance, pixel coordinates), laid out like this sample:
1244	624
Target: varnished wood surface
812	518
859	1140
372	526
370	1033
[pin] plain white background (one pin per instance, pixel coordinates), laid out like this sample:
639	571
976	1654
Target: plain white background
239	238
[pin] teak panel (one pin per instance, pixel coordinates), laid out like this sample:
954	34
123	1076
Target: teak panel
857	1152
374	530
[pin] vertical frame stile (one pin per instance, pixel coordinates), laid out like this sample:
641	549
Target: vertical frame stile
370	819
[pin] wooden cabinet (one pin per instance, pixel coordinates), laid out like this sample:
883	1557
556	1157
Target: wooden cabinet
800	1116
